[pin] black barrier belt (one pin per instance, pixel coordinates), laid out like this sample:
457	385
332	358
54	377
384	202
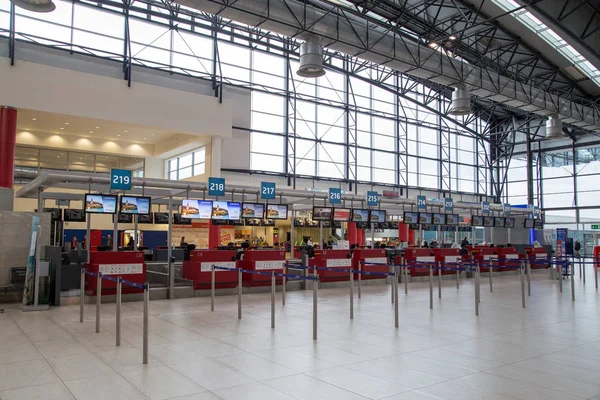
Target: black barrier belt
142	286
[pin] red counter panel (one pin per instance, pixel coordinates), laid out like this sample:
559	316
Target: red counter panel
374	256
416	256
129	265
536	256
198	268
265	261
332	259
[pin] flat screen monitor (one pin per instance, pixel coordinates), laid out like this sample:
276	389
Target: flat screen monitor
439	219
161	218
528	223
362	225
135	205
451	219
413	227
509	223
100	204
71	215
425	218
253	221
226	210
476	220
277	211
321	213
360	215
538	224
196	209
179	219
253	210
377	216
488	222
268	222
145	218
55	213
499	222
394	225
124	218
410	217
341	214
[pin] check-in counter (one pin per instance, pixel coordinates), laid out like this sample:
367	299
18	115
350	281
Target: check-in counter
332	259
199	268
538	257
488	257
447	255
162	254
415	256
509	257
129	265
371	258
264	261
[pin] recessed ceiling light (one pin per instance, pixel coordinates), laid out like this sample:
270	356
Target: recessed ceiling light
125	131
66	123
119	135
452	37
144	138
33	119
62	129
433	45
97	127
91	131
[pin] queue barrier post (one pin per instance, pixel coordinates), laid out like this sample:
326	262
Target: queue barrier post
272	299
522	285
582	267
240	293
439	281
212	288
146	321
118	311
430	287
560	275
395	288
315	291
283	285
479	282
528	266
475	292
491	273
359	279
351	293
405	279
595	266
572	280
81	294
457	277
98	301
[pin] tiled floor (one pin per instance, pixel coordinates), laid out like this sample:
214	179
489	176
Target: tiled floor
550	350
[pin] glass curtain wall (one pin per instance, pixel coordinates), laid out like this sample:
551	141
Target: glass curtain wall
358	123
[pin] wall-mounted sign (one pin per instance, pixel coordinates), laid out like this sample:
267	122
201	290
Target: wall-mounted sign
335	195
216	186
120	179
449	204
372	199
506	208
421	203
485	208
267	190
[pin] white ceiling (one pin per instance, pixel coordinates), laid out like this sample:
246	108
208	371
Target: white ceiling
40	121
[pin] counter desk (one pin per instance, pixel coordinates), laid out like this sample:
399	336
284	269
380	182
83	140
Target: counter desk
199	268
264	261
129	265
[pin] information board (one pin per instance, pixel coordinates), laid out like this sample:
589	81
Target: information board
267	190
335	195
216	186
120	179
372	199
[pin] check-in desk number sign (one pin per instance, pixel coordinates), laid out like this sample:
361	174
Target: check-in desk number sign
262	265
121	269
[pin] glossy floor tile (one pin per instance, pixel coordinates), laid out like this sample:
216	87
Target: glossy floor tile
549	350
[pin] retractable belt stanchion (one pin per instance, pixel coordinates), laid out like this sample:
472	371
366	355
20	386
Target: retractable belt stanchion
595	266
430	287
82	295
478	282
395	288
283	284
359	279
560	275
239	294
272	299
572	280
392	268
146	321
457	276
315	291
118	323
528	265
439	281
490	273
212	288
351	293
405	279
522	285
98	301
476	295
582	267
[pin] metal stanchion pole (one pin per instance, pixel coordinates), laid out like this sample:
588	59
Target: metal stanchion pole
212	288
582	266
522	286
457	276
572	281
405	279
98	301
430	287
391	270
395	287
272	299
595	266
439	281
315	289
580	274
240	293
560	275
81	294
119	291
490	273
528	266
351	293
478	281
475	293
359	278
146	321
283	285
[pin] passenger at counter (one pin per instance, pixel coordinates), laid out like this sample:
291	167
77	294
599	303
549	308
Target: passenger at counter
109	242
309	241
433	244
182	242
464	242
84	242
74	243
425	245
536	244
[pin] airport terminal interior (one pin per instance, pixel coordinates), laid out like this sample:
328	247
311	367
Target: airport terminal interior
299	199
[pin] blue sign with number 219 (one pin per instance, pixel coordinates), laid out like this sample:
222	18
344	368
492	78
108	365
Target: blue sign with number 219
120	179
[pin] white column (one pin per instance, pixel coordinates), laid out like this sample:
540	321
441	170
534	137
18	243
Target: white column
215	156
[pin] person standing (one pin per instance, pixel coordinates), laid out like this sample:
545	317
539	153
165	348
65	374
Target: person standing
577	248
109	242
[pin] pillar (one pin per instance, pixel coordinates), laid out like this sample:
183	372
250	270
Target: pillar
8	141
411	237
352	233
402	232
214	235
215	156
360	237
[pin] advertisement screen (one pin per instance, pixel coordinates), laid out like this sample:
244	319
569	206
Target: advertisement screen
499	222
411	217
321	213
377	216
488	222
71	215
196	209
277	211
124	218
179	219
145	219
425	218
360	215
509	223
538	224
476	220
100	204
56	213
439	219
226	210
451	219
135	205
161	218
253	210
341	214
